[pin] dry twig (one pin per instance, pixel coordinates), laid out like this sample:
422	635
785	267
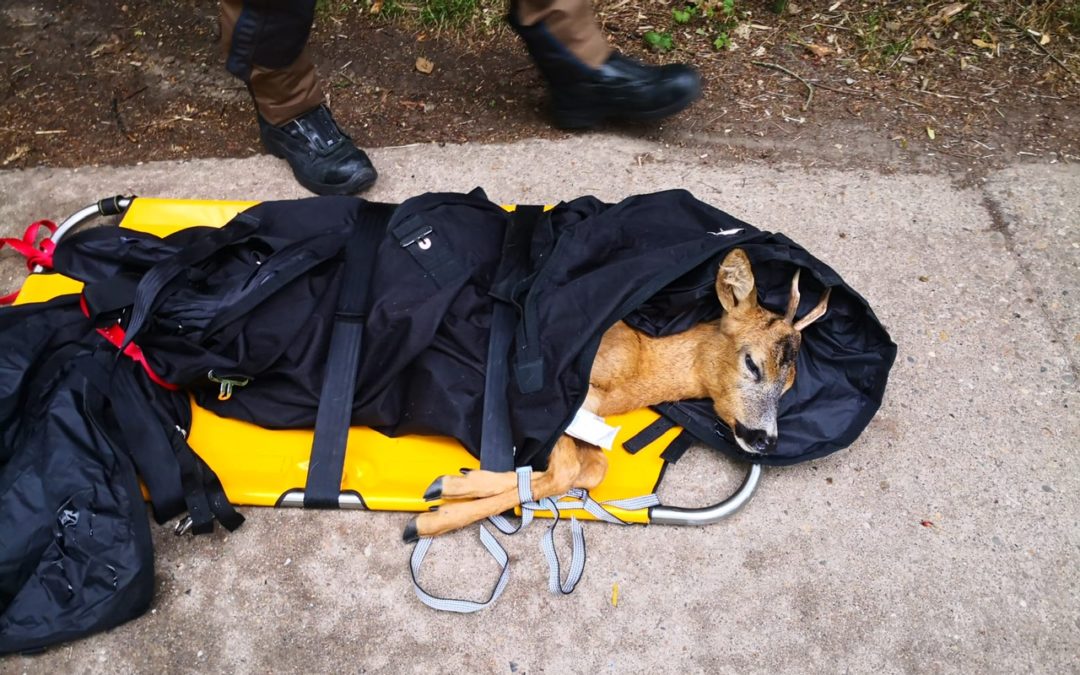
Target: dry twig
1042	47
809	87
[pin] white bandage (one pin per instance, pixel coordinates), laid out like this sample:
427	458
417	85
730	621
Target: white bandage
592	429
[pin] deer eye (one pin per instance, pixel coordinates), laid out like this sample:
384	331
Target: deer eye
752	367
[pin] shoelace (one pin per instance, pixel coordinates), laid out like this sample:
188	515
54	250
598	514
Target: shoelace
319	129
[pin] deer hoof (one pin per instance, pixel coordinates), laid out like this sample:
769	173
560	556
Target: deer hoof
410	535
434	490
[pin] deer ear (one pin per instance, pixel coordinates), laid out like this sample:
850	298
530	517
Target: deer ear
735	282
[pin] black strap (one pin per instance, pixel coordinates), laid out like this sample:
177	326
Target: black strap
636	443
343	359
155	281
429	249
496	437
678	447
284	267
143	437
176	478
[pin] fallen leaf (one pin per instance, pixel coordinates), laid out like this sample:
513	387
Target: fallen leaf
376	6
817	50
111	46
615	595
424	66
943	336
1045	39
983	44
924	43
19	153
926	523
930	132
924	278
949	11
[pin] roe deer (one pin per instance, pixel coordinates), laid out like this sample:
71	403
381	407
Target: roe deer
744	361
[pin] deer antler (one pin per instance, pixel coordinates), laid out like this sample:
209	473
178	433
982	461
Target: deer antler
793	301
814	314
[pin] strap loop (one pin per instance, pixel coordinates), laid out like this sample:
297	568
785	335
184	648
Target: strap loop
580	499
461	606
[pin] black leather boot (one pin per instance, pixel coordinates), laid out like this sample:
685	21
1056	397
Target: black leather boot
322	157
620	89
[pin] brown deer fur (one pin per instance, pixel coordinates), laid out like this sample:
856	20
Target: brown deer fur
743	361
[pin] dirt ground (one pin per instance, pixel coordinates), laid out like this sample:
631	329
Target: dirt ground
125	81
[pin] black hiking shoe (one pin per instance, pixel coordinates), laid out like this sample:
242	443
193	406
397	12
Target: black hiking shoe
620	89
624	89
322	157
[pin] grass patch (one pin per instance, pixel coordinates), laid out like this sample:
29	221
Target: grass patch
440	15
696	21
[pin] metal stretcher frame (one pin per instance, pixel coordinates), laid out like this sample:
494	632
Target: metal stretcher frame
262	467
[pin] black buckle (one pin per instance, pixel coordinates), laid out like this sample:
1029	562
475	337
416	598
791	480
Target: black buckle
418	236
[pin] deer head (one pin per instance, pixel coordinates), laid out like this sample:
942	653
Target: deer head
754	363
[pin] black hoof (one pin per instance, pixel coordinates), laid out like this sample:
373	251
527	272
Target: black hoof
410	536
434	490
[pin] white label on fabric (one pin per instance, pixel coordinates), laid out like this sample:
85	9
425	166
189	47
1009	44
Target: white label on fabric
592	429
726	233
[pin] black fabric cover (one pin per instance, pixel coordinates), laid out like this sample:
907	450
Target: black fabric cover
649	259
255	301
75	549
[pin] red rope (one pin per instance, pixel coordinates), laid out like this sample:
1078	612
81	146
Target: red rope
115	335
36	253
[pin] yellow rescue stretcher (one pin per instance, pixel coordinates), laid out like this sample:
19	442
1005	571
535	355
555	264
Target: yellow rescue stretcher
260	467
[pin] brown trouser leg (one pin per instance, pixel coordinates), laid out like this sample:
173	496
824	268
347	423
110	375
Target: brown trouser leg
572	23
280	94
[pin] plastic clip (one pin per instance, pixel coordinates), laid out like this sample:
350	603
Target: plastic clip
227	383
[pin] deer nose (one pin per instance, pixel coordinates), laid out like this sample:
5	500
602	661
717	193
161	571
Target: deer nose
758	440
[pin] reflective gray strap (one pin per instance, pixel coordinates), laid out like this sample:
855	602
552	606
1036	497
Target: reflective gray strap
583	500
461	606
525	496
577	555
580	500
577	533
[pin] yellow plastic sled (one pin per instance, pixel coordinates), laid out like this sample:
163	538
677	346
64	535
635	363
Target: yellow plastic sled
260	467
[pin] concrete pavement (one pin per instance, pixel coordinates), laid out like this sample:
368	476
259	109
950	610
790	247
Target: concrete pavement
829	569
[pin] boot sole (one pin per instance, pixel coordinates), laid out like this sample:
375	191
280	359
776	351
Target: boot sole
573	120
358	183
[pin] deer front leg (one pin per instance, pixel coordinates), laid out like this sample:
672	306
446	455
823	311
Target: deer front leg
471	484
564	471
478	483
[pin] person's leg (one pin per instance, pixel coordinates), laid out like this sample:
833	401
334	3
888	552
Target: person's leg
588	81
265	45
281	93
572	24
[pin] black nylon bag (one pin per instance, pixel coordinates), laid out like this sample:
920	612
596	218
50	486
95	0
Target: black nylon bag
75	550
78	427
650	259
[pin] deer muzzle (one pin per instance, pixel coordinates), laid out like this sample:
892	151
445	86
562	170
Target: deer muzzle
757	441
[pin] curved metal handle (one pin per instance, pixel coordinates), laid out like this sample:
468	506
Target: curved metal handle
110	206
106	207
706	515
